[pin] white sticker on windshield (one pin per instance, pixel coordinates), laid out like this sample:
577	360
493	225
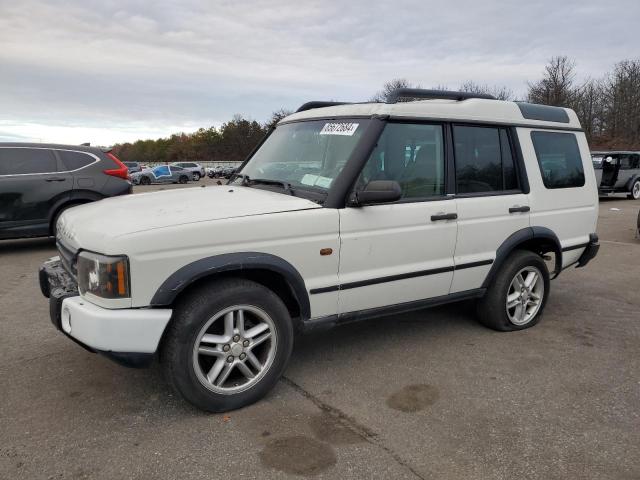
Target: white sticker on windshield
347	129
309	179
324	182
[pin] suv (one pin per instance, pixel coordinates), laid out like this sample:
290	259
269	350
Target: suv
344	212
196	169
618	172
39	181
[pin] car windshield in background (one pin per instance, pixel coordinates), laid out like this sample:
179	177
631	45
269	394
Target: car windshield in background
308	155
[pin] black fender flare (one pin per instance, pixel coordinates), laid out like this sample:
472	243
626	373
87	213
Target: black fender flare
518	238
230	262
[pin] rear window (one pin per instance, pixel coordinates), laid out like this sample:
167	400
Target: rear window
75	160
559	159
20	161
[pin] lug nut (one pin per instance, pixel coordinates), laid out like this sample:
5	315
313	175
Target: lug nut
245	343
236	338
243	356
230	358
226	348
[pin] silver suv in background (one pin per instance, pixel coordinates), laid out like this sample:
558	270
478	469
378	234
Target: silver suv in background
196	169
617	172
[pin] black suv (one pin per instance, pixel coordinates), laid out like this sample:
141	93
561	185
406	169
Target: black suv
39	181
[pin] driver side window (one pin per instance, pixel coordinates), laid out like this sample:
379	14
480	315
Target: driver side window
413	156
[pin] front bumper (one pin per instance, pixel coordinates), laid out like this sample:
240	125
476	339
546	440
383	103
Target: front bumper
128	336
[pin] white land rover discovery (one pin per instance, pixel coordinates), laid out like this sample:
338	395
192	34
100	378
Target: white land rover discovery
344	212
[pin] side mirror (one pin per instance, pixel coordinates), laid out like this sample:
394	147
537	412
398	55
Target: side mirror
378	191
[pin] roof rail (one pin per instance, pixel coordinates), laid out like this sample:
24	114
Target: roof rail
399	93
318	104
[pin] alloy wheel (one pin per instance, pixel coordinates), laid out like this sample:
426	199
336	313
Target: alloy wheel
525	295
234	349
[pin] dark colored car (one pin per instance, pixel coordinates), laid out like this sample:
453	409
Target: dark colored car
39	181
133	167
618	172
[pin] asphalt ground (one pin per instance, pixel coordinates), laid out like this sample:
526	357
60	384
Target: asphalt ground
430	394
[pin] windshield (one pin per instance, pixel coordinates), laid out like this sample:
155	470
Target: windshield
307	155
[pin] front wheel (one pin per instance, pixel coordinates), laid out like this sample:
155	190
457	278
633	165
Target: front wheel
635	191
183	179
517	296
145	181
227	345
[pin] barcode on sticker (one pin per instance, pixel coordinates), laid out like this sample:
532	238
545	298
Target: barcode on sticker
339	129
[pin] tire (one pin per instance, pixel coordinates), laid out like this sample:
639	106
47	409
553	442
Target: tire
183	179
145	181
634	194
205	311
492	309
196	177
54	221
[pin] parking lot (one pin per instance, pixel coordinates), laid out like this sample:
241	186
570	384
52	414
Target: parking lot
431	394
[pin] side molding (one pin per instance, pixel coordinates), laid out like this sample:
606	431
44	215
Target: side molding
229	262
518	238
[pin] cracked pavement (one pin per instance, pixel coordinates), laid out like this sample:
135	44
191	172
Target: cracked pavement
429	394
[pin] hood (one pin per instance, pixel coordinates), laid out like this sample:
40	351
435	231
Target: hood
84	226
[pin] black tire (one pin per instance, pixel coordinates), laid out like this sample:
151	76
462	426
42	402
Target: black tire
145	180
196	177
183	179
492	310
634	193
54	221
192	313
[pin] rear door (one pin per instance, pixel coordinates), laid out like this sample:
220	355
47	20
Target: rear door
403	251
490	198
30	185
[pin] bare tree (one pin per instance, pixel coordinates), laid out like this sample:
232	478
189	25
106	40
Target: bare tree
500	92
622	103
388	87
557	84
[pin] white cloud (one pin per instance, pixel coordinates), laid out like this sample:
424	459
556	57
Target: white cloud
118	69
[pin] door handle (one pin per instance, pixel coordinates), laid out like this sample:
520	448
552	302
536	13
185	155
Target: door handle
55	179
444	216
523	209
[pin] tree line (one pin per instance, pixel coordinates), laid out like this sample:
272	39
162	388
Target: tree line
608	109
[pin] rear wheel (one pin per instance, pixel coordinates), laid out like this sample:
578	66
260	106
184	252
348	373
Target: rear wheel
196	177
145	180
635	191
227	345
516	298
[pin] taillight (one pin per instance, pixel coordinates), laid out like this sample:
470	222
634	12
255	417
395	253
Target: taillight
121	172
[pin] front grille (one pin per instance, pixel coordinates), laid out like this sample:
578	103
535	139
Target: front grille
67	258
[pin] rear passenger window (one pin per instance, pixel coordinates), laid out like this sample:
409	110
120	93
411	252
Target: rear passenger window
413	156
20	161
484	160
559	159
75	160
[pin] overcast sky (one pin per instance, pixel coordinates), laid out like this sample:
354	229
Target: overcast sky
110	71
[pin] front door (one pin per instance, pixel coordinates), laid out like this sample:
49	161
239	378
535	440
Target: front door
30	185
403	251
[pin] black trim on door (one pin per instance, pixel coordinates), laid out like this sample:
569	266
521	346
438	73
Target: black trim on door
400	276
333	320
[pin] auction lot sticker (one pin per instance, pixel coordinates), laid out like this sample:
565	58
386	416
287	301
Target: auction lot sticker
347	129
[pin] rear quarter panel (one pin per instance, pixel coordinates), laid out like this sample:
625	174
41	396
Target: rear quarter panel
571	213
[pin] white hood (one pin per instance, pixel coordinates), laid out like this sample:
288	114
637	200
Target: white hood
84	225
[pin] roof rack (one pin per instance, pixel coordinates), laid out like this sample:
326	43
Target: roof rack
318	104
399	93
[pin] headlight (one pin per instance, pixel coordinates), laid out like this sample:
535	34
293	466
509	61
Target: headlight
103	276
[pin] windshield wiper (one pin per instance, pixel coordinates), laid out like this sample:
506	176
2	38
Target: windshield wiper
265	181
